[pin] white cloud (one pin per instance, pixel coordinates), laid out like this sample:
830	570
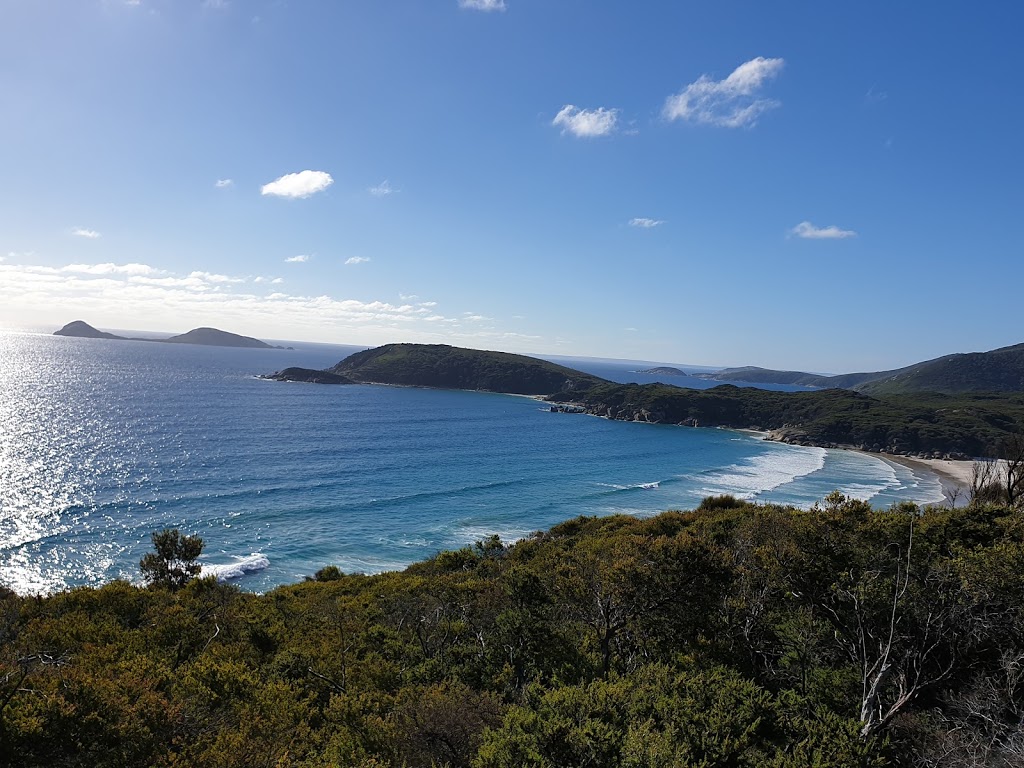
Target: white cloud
90	234
111	269
302	258
483	5
407	296
298	185
808	231
732	102
223	183
645	223
382	190
357	260
586	122
214	278
39	295
277	281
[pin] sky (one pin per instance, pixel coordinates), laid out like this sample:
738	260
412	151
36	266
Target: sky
817	186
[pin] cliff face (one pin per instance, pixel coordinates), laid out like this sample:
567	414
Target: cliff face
445	367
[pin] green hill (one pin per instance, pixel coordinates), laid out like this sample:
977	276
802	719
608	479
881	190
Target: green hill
1000	370
445	367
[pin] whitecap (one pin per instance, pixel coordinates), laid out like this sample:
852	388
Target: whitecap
242	565
765	472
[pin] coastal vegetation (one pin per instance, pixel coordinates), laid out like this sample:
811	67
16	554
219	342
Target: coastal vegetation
961	426
736	634
443	366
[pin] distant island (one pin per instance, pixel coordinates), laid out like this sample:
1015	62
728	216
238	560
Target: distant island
444	367
207	337
664	370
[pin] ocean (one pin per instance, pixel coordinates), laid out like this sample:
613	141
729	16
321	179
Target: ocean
104	442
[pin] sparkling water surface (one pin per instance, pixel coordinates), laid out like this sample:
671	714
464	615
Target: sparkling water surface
103	442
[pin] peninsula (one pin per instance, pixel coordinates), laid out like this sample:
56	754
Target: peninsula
207	337
444	367
925	424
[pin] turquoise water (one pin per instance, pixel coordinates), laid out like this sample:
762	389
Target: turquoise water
102	443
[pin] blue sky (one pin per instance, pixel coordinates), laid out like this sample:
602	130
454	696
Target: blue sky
808	185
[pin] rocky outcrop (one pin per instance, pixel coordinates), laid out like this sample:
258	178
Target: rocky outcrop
308	375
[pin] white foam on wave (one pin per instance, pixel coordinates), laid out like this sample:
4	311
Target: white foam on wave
641	486
781	465
242	565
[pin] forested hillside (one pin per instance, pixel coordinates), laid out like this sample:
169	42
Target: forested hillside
735	635
439	365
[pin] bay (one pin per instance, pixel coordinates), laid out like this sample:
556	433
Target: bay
102	443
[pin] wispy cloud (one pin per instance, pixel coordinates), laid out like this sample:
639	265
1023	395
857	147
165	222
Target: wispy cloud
302	258
810	232
483	5
111	269
645	223
298	185
115	298
89	234
874	96
357	260
586	123
211	277
224	183
382	190
732	102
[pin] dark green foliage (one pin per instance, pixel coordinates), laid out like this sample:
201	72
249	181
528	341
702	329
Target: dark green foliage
738	634
439	365
966	425
173	564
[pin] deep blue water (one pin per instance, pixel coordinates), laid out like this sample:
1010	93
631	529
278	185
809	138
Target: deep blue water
102	443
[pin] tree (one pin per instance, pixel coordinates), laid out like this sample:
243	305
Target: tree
173	564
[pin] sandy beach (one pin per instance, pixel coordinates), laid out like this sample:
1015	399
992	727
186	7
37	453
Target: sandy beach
952	474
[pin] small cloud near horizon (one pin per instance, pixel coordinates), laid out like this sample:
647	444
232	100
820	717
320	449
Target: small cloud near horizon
729	103
89	234
298	185
808	231
382	190
645	223
586	123
302	258
482	5
224	183
357	260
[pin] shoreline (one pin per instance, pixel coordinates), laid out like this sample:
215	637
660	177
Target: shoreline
954	475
